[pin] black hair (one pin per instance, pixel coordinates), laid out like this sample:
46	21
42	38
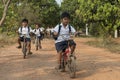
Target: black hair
25	20
65	14
38	24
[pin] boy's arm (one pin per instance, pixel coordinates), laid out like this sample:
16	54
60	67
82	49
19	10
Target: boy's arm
73	30
31	30
19	30
55	30
41	29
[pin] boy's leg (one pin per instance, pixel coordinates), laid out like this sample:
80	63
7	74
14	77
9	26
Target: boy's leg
19	42
59	62
40	43
59	55
59	48
73	48
29	46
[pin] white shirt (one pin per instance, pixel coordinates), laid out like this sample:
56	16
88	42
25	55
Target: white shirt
37	31
25	31
64	31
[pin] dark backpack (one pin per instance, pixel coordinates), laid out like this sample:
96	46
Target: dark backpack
28	29
56	36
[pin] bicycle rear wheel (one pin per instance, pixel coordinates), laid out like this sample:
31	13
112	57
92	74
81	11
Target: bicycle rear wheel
72	67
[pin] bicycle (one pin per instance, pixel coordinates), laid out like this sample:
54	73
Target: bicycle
24	46
37	43
69	60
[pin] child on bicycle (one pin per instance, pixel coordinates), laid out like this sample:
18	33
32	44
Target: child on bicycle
25	29
64	29
37	31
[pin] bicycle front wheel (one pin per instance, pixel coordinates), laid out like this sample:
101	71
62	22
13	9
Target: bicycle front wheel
24	50
36	44
72	67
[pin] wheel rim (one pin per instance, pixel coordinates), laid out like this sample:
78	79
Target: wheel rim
72	68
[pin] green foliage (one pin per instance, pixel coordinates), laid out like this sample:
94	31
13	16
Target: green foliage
71	6
45	12
102	16
104	13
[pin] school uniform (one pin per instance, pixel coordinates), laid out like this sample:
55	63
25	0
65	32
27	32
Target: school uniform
25	31
64	34
37	32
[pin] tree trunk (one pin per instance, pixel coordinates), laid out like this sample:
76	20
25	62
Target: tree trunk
4	12
87	30
116	34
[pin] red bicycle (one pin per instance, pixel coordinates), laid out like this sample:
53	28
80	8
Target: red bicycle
69	60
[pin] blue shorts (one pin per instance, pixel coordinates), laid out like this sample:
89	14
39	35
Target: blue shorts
27	39
61	46
39	37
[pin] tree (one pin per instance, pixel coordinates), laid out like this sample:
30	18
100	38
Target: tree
104	14
5	6
39	11
71	6
45	12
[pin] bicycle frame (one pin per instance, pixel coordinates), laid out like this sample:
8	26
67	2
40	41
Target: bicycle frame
24	49
37	42
68	59
67	52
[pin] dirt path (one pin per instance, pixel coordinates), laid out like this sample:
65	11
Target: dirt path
92	63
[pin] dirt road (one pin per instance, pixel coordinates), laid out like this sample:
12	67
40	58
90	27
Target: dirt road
92	63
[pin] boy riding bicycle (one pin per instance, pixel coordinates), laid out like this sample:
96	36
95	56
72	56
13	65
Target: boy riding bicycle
64	29
37	31
25	30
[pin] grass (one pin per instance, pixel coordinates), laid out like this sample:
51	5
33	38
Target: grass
109	44
6	40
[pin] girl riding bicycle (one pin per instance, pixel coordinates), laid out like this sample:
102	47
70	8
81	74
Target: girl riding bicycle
60	43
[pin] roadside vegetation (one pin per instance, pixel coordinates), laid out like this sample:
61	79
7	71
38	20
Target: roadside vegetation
101	16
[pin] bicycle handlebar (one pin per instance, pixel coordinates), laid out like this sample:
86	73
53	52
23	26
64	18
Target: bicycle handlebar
24	35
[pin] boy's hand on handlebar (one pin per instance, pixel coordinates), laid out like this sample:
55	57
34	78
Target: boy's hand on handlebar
72	36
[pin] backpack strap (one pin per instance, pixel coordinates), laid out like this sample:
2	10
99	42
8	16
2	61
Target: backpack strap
69	29
35	30
59	29
28	29
21	29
